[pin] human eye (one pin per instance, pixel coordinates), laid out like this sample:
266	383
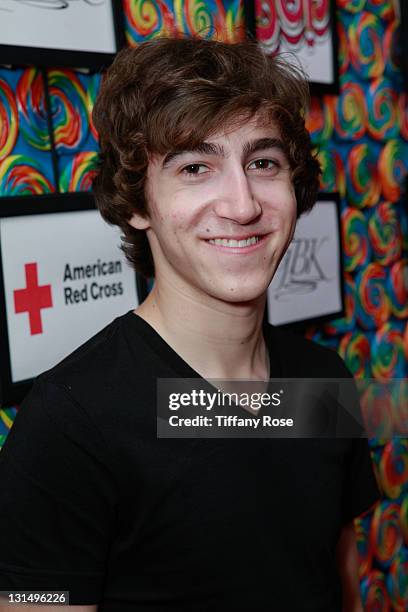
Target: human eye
192	169
265	164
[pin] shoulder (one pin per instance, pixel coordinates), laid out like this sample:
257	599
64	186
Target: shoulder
304	357
77	397
102	381
87	357
93	381
100	362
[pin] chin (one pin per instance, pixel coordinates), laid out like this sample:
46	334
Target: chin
240	293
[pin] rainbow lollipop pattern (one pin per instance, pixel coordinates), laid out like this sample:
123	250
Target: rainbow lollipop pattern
398	288
382	8
372	302
387	352
234	27
21	175
197	17
352	6
385	234
356	244
146	20
214	19
376	454
385	532
351	115
365	551
393	168
320	119
404	518
377	410
346	323
31	104
69	110
354	348
400	405
91	93
393	468
79	172
343	52
397	582
374	592
363	186
8	119
382	104
391	49
366	53
7	416
333	174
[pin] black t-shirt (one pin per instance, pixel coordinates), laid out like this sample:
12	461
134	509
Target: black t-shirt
92	502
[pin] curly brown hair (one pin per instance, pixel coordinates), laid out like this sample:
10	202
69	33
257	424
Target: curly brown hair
170	94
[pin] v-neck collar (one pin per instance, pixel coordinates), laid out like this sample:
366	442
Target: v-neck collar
179	365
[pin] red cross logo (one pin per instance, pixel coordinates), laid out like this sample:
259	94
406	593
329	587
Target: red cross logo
33	298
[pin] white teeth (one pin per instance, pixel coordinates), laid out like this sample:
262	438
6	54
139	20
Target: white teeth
234	243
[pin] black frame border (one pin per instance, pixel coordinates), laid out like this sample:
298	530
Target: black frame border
12	393
17	55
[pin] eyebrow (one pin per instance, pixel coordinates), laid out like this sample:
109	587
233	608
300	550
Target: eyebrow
210	148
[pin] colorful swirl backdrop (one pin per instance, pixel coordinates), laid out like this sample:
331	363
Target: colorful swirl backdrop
369	134
361	140
25	156
220	19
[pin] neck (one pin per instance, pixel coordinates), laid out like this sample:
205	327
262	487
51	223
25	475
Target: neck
217	339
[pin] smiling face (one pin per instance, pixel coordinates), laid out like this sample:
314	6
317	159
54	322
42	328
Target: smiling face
222	216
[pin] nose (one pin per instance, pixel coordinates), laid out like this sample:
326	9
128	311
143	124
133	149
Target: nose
237	202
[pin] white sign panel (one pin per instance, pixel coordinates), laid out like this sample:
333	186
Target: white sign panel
306	29
75	25
316	61
307	283
65	278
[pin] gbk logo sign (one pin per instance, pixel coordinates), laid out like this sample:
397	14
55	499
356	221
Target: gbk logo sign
307	283
32	298
301	270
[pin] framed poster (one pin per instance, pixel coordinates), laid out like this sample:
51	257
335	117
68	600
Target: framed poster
308	284
75	33
306	29
62	279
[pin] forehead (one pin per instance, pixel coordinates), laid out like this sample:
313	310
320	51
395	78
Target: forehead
259	122
241	126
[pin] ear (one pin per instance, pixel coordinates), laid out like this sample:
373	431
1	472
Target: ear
139	222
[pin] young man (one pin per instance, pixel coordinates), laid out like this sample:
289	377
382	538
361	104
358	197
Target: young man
206	166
